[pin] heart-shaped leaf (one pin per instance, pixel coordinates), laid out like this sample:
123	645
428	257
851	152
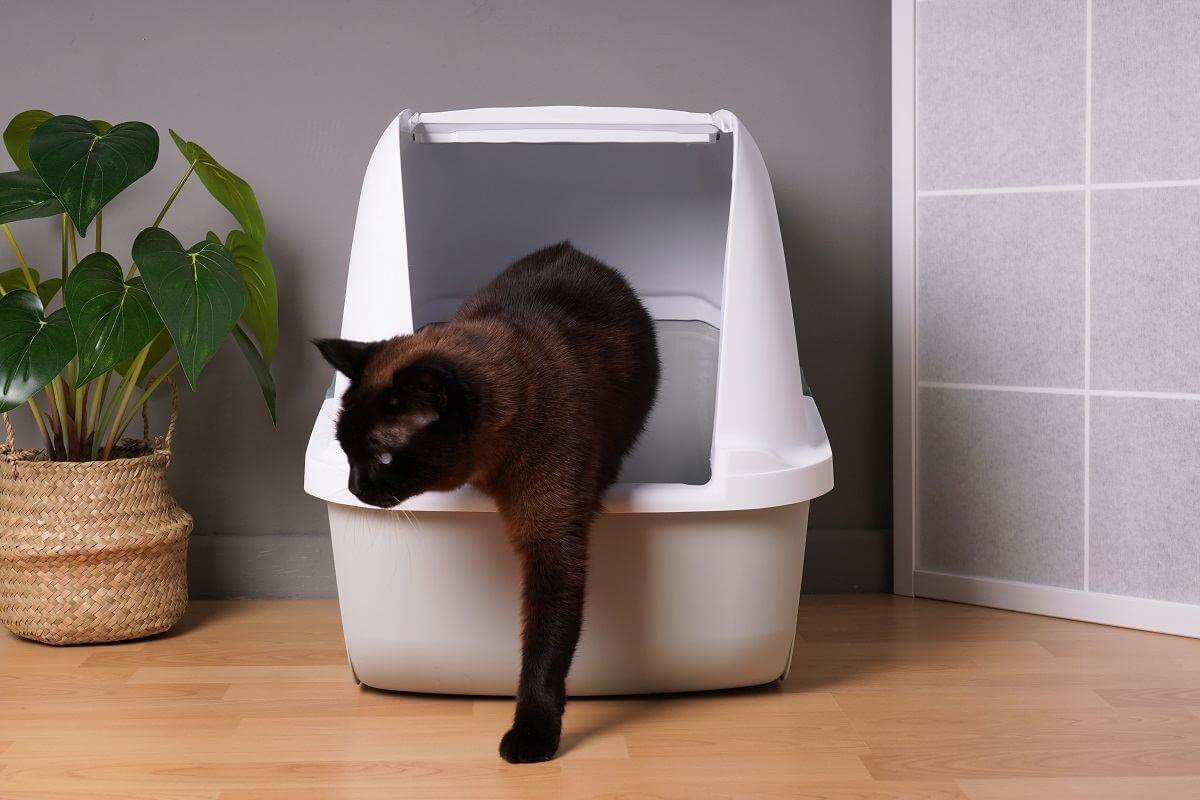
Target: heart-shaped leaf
16	135
161	345
226	188
262	297
47	289
13	279
24	196
22	126
262	373
34	348
84	168
198	293
113	318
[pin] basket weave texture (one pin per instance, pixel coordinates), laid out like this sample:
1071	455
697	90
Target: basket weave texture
91	551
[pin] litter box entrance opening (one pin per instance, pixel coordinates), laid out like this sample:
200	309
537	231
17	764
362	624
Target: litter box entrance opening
658	212
676	446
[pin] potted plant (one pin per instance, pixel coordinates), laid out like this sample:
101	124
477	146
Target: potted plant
92	543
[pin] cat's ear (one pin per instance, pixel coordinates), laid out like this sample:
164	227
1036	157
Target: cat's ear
435	381
347	357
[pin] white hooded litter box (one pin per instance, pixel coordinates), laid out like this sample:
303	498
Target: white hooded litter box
696	562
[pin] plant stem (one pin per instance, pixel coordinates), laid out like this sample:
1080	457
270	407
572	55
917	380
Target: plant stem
99	227
64	419
81	398
37	418
74	247
106	416
93	415
52	414
52	437
130	383
174	194
154	384
12	242
65	223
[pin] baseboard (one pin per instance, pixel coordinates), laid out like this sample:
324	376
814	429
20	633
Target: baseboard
301	565
1160	616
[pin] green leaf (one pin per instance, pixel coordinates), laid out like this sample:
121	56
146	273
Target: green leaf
258	366
24	196
84	168
161	345
113	318
226	188
47	290
262	297
198	293
34	348
100	125
16	135
13	279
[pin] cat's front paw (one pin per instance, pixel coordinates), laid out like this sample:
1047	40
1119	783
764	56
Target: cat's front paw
527	743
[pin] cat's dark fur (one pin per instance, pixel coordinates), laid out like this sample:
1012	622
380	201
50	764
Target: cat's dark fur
534	392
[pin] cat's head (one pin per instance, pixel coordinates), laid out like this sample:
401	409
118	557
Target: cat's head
405	424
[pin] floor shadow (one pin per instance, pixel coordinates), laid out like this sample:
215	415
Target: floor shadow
644	706
809	674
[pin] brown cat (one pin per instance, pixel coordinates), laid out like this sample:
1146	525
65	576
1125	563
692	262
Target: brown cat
534	392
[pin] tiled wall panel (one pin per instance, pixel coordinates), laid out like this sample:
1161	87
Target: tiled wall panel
1058	293
1001	477
1145	503
1146	289
1000	93
1145	90
1001	289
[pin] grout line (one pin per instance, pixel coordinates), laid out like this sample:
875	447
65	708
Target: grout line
1087	304
1119	393
1063	187
1143	395
1118	185
990	387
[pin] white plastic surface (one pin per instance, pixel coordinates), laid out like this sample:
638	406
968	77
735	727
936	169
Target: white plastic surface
697	560
676	602
693	226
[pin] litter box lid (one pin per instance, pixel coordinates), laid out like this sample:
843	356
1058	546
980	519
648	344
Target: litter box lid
769	446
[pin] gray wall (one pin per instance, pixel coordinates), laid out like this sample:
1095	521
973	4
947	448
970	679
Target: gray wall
293	96
1059	422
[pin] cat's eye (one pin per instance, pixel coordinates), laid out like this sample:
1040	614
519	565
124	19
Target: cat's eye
384	458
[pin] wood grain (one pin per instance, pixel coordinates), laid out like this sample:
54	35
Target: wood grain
889	699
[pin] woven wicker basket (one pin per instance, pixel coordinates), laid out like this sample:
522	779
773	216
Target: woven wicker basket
91	551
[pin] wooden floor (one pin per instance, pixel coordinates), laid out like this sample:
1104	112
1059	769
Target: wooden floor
888	698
